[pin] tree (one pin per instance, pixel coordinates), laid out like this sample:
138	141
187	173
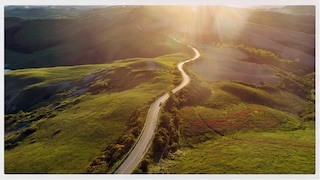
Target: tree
144	165
165	120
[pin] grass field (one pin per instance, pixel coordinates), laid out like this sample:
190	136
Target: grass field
67	141
83	130
241	129
234	107
274	152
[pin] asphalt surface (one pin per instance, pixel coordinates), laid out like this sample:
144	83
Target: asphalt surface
146	138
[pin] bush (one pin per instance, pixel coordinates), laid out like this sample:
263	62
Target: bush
98	87
144	165
14	139
174	147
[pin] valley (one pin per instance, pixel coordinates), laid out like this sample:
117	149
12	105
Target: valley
82	81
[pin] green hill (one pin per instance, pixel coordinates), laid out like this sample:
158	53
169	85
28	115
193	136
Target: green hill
83	80
66	118
239	129
102	36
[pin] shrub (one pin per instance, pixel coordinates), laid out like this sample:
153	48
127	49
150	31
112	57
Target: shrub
144	165
98	87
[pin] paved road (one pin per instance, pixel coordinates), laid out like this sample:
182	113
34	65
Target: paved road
148	132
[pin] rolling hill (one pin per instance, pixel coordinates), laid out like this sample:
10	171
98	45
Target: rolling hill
97	37
83	78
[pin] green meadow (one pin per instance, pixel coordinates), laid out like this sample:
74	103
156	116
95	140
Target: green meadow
273	152
72	130
242	129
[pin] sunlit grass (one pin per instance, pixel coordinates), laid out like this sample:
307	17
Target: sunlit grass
85	129
44	75
231	133
67	142
276	152
259	153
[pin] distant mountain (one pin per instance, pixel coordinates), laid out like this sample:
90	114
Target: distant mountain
47	12
299	10
296	10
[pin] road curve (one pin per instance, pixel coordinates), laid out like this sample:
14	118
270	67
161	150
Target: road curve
148	132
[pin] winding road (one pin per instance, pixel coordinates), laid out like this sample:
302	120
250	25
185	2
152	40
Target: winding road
148	132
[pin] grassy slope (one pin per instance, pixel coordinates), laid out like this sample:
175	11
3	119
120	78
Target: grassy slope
276	152
46	76
245	108
92	38
67	142
84	130
241	129
41	81
299	23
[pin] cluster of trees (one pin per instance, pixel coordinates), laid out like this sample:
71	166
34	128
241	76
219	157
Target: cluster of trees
296	78
256	55
262	56
167	137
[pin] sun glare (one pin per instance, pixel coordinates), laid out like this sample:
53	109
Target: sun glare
221	23
228	22
194	8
